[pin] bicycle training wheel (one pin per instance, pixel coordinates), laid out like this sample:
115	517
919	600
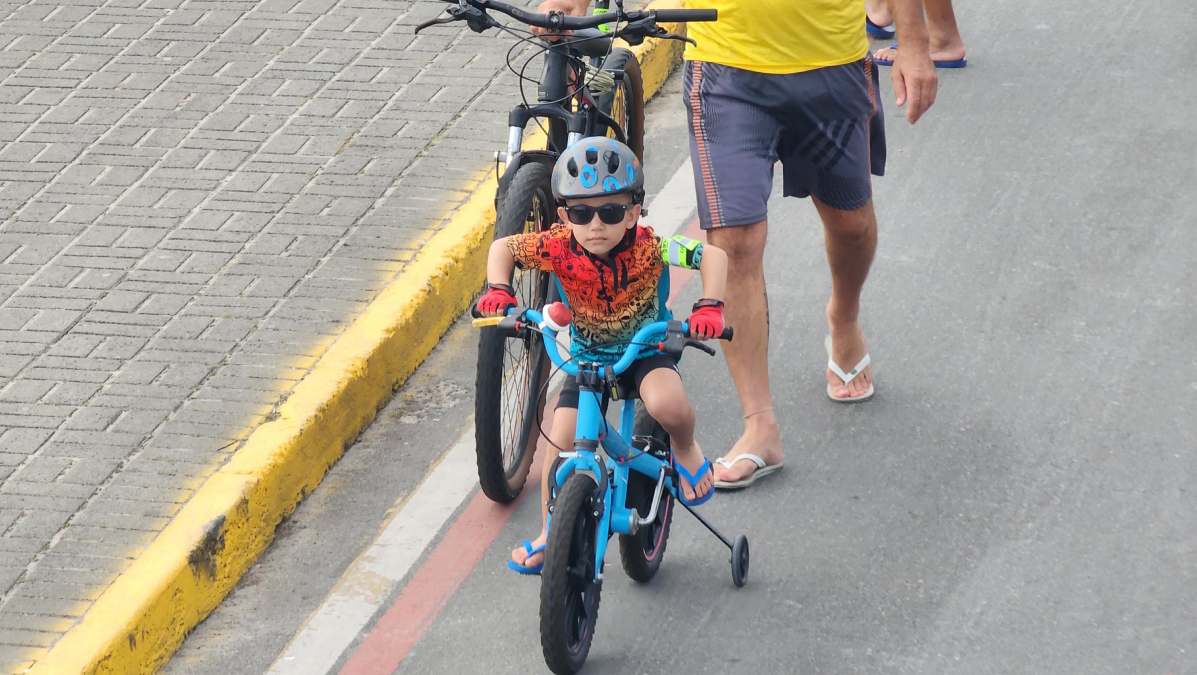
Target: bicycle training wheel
508	393
569	594
625	103
642	553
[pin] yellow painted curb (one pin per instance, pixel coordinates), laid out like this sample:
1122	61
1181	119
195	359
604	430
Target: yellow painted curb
143	616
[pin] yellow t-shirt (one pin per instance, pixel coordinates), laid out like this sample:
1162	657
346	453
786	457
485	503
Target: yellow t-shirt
779	36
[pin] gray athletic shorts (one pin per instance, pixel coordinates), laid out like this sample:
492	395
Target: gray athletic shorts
824	125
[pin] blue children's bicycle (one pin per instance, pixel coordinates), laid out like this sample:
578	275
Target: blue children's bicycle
629	489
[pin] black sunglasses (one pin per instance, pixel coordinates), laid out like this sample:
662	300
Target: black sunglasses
611	214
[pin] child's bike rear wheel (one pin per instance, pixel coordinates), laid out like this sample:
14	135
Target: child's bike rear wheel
569	594
642	553
509	392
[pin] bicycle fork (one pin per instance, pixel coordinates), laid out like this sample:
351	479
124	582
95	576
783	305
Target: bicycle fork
609	503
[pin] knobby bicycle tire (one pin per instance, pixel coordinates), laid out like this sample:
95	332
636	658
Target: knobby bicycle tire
630	94
569	595
505	447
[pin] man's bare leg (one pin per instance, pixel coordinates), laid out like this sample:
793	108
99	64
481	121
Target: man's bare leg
851	238
878	12
748	354
942	32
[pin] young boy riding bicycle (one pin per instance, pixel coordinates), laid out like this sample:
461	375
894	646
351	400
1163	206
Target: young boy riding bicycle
611	270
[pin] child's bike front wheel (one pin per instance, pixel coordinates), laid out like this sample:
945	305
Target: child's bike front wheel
569	594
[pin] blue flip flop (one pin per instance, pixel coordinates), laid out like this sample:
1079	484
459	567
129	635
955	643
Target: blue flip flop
525	569
693	479
939	63
877	32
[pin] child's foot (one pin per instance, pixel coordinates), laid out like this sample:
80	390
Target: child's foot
692	460
528	557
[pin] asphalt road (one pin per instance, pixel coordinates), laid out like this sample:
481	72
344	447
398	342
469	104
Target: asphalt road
1018	498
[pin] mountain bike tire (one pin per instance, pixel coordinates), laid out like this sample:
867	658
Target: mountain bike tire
625	103
508	390
569	594
641	553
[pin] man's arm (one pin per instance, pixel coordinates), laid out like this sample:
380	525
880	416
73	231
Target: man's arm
915	81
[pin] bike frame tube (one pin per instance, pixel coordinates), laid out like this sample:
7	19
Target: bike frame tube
565	126
647	335
592	429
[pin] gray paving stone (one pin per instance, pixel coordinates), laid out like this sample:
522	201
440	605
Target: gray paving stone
193	196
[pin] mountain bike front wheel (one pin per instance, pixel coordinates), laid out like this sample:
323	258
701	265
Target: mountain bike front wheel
512	370
625	103
569	593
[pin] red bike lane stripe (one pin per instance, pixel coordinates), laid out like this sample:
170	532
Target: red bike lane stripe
452	560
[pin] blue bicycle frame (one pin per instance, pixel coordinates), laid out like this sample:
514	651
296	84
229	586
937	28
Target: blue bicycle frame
593	431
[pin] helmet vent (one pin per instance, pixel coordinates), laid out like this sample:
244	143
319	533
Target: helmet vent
612	159
572	167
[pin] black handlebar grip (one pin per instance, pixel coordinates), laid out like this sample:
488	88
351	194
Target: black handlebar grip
474	313
727	334
684	15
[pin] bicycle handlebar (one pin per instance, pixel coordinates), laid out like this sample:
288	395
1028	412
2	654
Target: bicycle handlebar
474	13
654	334
686	15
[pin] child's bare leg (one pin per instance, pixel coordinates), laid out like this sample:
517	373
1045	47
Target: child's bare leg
665	399
562	434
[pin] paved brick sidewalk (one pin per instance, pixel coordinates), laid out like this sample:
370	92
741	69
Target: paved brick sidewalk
195	196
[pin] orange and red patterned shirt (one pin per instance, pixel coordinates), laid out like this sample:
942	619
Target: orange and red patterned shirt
611	297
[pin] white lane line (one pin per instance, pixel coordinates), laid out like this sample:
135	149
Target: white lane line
673	206
371	579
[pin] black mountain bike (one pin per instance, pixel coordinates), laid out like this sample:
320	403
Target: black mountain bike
587	87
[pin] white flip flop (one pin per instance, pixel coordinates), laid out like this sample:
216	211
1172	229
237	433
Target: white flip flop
848	376
762	469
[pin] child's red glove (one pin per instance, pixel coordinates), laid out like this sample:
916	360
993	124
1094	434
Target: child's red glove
706	319
496	300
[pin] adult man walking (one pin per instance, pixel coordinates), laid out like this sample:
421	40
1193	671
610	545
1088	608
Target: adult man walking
791	81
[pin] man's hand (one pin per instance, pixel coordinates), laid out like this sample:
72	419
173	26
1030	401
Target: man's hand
913	73
915	81
569	7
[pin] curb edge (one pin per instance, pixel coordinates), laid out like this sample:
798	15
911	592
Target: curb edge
142	617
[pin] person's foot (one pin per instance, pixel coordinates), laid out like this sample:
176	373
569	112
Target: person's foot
945	54
520	556
692	459
878	12
761	437
847	349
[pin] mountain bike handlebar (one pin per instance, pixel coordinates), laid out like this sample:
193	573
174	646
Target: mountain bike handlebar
640	21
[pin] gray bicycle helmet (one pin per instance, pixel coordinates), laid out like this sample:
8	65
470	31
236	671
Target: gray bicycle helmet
597	166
